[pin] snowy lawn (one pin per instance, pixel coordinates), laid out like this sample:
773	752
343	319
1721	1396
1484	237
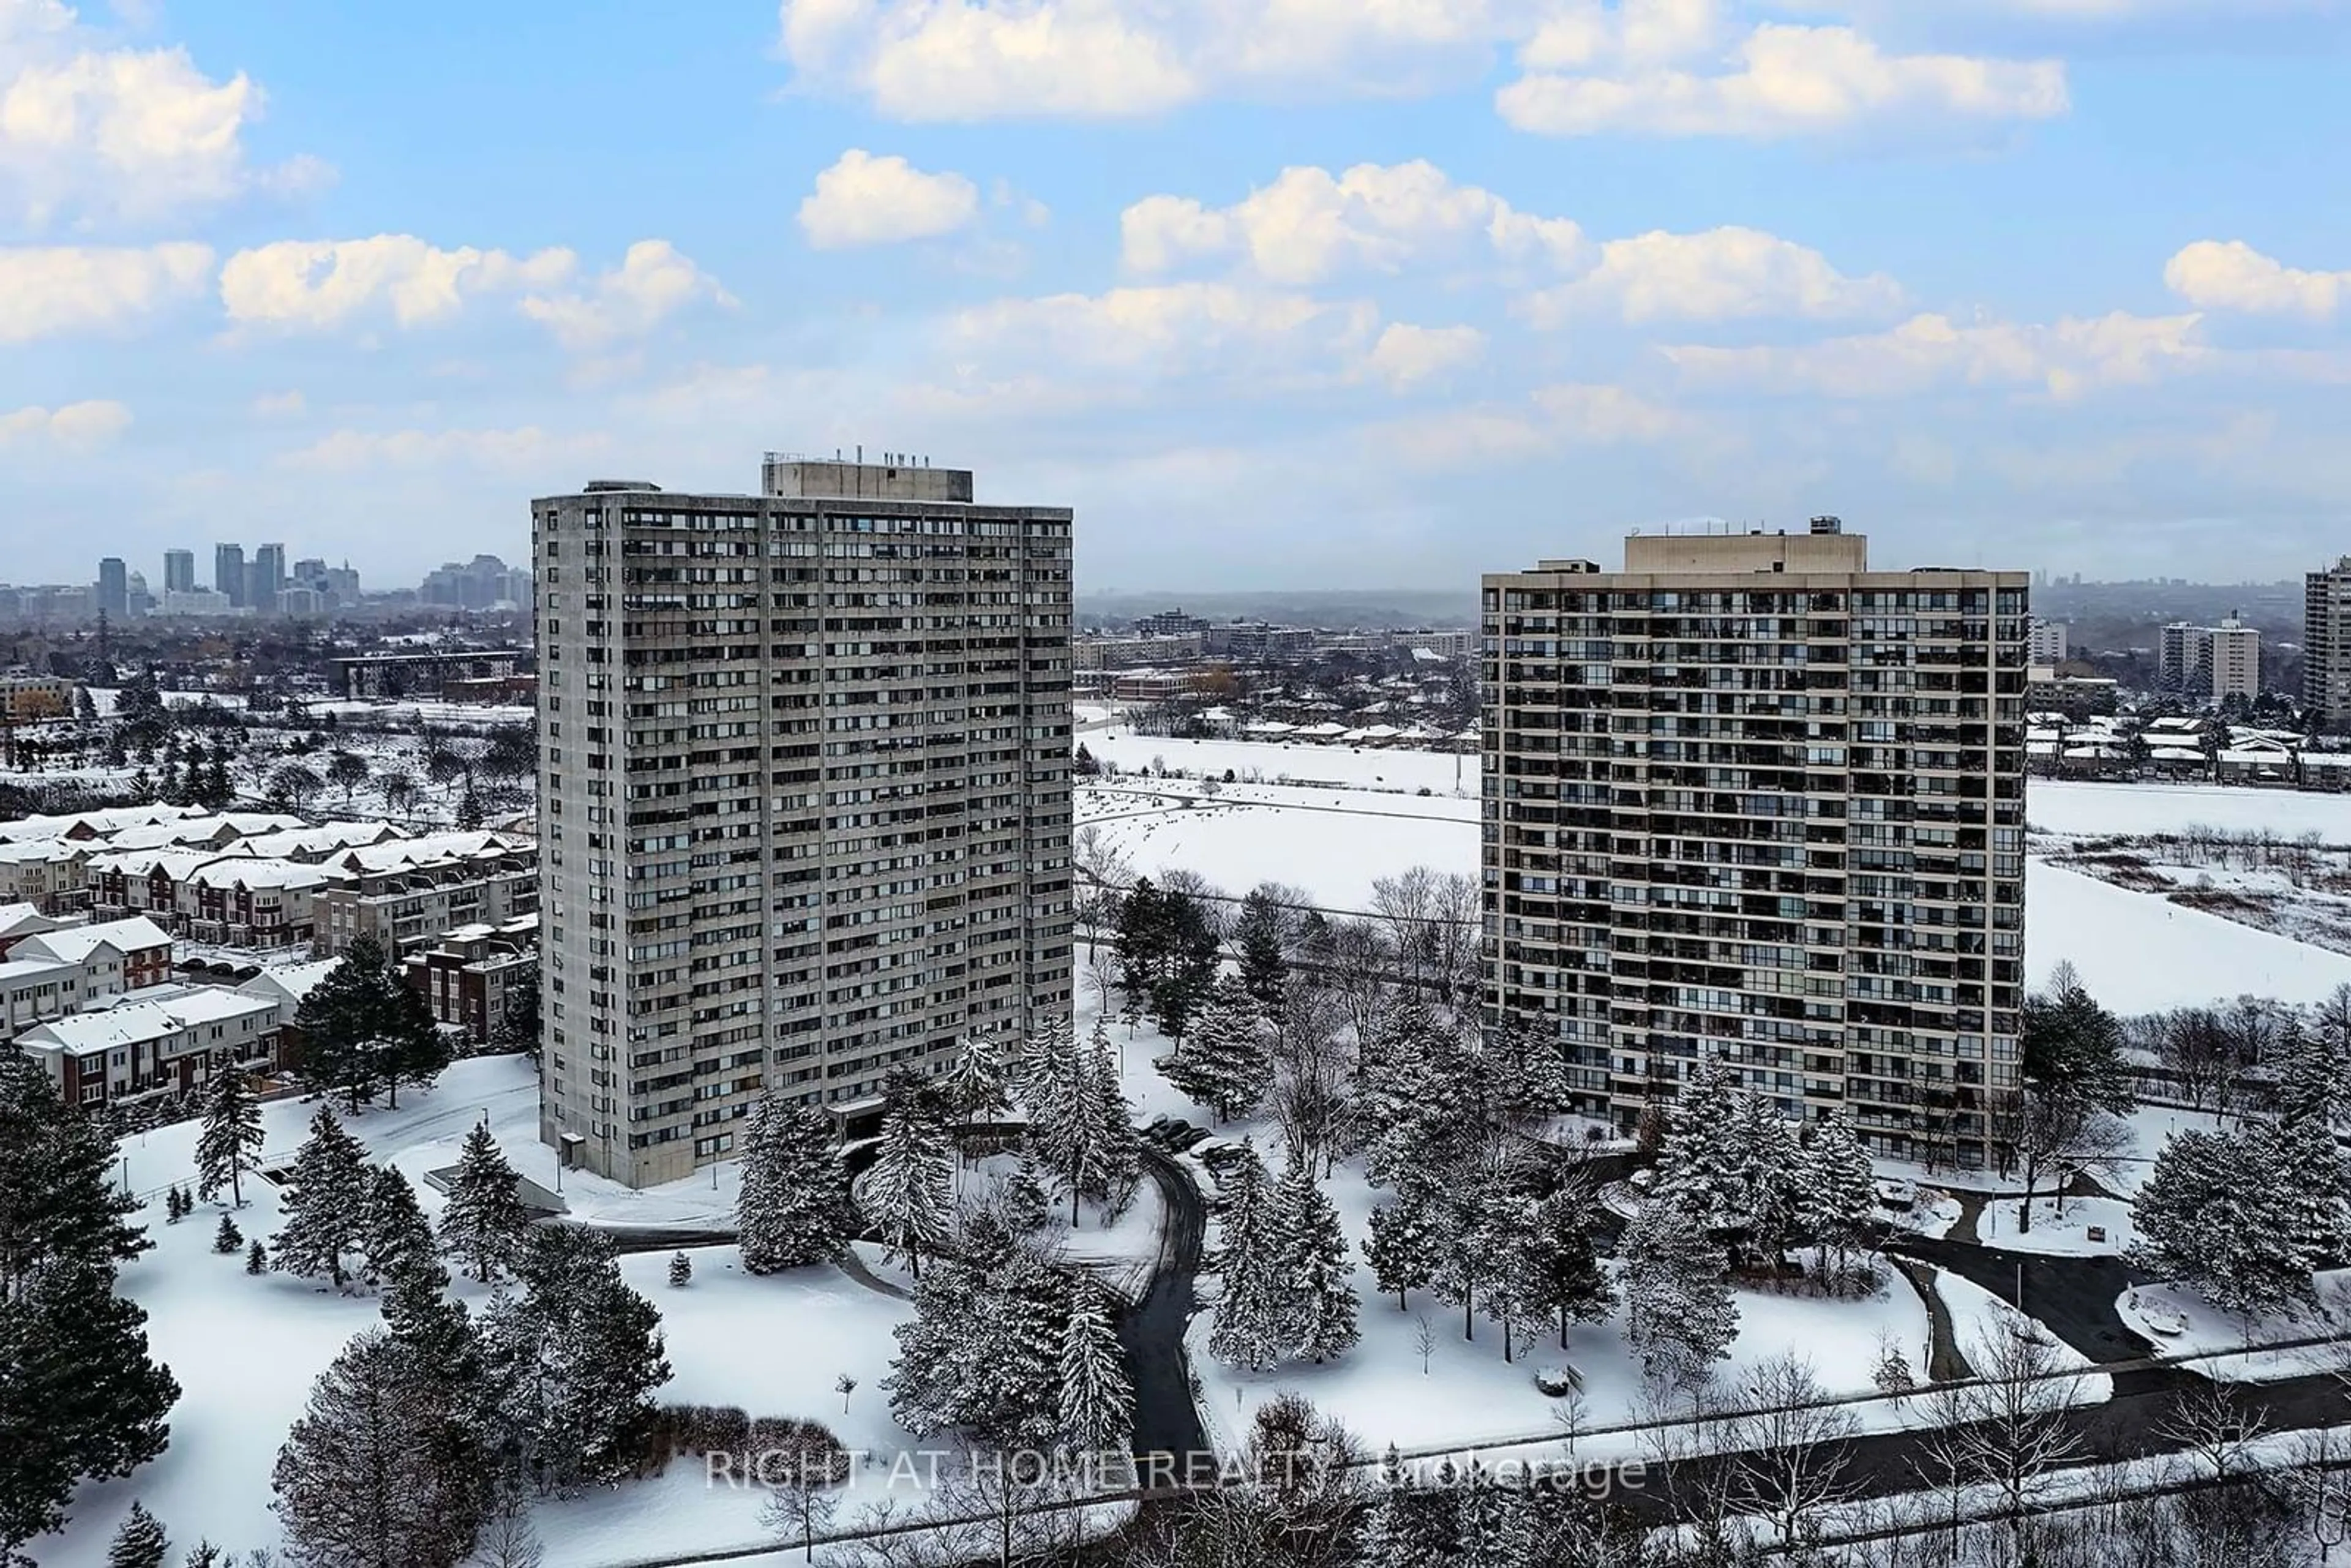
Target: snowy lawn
1469	1393
2055	1235
1358	768
1334	852
2152	1127
2138	952
246	1350
2178	1322
2068	807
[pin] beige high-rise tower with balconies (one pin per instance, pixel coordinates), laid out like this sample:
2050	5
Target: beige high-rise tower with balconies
1748	796
804	788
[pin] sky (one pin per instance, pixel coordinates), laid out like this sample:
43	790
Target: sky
1277	294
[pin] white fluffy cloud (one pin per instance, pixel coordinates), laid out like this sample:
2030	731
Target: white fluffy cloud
319	284
1173	329
2212	275
653	282
866	200
2063	359
314	285
1718	276
523	448
51	290
73	427
1310	224
101	132
1572	413
1404	355
1778	80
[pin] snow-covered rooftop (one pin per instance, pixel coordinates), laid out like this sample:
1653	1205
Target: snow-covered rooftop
75	944
138	1016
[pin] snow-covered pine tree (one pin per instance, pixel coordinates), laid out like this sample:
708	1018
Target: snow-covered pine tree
681	1271
907	1191
1679	1317
793	1209
1020	1199
1097	1403
1493	1524
1839	1196
1403	1246
1264	966
1014	1387
484	1222
228	1238
1313	1269
1066	1119
1251	1330
2308	1201
1225	1061
927	1378
1701	1170
976	1084
1037	1055
1122	1147
396	1238
1562	1271
571	1363
1770	1175
364	1476
229	1143
139	1541
202	1554
324	1204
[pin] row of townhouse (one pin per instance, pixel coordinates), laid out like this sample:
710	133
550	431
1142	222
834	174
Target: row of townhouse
467	974
166	1039
49	974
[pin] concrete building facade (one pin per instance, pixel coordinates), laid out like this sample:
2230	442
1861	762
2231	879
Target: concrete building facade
1749	797
2209	663
804	795
2326	643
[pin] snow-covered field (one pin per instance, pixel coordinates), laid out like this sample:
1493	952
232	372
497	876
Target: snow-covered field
1332	843
2059	1235
2178	1322
1359	767
2062	806
2138	952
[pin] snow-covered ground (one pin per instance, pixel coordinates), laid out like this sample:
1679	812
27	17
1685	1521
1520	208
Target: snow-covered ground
1360	767
2059	1235
2059	806
247	1349
2178	1322
2138	952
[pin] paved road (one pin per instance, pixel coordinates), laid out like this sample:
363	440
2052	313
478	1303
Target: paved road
1165	1419
2074	1297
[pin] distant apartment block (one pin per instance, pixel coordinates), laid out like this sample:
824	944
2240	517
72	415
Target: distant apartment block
2326	644
805	795
2047	644
1171	623
25	699
2209	663
1749	797
431	674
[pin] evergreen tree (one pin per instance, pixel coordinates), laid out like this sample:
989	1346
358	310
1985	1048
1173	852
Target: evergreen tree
139	1541
982	1354
1097	1403
484	1223
793	1208
202	1554
1066	1118
1405	1246
975	1085
325	1205
1251	1330
681	1271
1225	1062
228	1239
1311	1269
395	1237
906	1191
1770	1174
1265	968
1188	967
1561	1270
1119	1157
1839	1190
78	1394
1020	1199
364	1028
256	1258
1493	1524
519	1014
2213	1214
230	1141
1679	1317
1702	1170
364	1478
571	1363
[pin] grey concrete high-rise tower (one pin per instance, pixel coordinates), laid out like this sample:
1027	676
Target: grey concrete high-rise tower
804	795
1748	797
